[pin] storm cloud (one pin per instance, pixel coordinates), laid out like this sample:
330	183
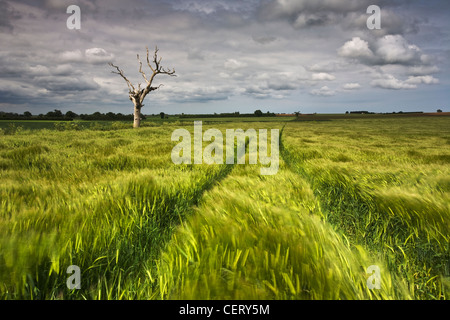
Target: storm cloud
277	55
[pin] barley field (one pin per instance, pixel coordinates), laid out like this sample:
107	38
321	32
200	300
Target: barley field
349	194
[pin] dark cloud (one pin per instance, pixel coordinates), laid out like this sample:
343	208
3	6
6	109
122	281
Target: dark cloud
225	52
308	13
7	16
196	54
200	94
350	15
264	39
58	6
58	84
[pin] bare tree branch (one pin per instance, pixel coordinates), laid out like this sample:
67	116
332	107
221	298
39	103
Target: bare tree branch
158	68
148	61
147	90
120	72
141	71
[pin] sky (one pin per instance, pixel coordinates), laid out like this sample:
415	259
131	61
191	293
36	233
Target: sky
281	56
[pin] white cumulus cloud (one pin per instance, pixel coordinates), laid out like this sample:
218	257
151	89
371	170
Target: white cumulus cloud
356	48
395	49
422	79
98	55
323	76
323	91
391	82
351	86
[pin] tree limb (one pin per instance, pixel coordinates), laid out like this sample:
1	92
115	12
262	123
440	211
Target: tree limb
147	90
141	71
158	68
120	72
148	61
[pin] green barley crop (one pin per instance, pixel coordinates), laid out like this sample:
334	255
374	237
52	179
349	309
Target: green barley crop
348	194
380	189
105	201
259	237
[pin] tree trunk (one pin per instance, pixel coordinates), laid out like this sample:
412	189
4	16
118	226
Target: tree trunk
137	116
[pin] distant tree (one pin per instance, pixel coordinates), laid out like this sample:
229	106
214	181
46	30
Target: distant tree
111	116
137	95
162	115
258	113
97	116
27	114
56	114
439	110
70	115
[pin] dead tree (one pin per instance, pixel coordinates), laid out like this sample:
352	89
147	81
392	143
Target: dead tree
137	95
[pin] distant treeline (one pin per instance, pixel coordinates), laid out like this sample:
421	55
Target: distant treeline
57	115
367	112
110	116
257	113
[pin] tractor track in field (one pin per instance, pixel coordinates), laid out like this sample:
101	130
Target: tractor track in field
347	206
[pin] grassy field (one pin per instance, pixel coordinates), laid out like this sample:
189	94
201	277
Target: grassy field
385	185
8	127
349	194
